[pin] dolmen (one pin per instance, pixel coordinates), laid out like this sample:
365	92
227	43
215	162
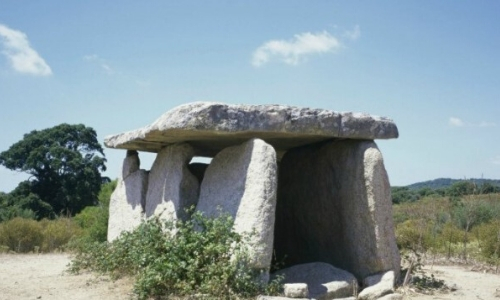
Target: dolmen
309	184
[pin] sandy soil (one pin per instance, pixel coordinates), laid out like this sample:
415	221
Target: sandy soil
467	285
45	277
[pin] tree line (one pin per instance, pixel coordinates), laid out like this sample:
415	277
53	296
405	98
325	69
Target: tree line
456	190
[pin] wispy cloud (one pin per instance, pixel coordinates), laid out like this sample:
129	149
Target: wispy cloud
23	58
457	122
353	34
487	124
296	50
101	62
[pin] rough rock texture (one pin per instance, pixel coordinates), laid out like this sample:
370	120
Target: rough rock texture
126	206
334	206
263	297
323	280
391	297
377	285
296	290
241	180
131	163
171	188
210	127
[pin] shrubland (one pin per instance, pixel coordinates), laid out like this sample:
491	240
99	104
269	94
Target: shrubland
26	234
456	227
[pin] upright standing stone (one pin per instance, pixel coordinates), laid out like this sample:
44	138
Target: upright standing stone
334	205
365	195
126	206
172	188
241	180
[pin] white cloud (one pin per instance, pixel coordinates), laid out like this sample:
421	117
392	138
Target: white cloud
455	122
496	160
294	51
353	34
487	124
23	58
101	62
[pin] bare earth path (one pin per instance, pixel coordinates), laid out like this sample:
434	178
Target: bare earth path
44	277
470	285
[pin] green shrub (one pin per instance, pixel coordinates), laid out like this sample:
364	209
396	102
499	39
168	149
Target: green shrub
94	219
488	236
415	235
200	256
21	235
57	233
27	235
94	222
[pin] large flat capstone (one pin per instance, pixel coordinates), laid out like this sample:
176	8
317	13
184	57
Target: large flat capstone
210	127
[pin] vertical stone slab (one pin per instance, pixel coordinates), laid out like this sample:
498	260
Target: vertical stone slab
126	206
172	188
365	195
241	180
334	206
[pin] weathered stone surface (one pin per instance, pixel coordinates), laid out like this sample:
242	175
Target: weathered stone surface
394	296
241	181
172	188
126	206
263	297
210	127
323	280
296	290
334	206
377	285
131	163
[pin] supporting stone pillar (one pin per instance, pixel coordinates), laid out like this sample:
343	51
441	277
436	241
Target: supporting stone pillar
126	205
334	206
241	180
172	188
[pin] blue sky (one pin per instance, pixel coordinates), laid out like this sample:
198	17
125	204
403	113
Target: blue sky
431	66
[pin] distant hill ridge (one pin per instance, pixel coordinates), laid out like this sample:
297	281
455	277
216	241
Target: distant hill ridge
446	182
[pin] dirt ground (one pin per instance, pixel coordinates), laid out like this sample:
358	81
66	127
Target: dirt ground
45	277
466	284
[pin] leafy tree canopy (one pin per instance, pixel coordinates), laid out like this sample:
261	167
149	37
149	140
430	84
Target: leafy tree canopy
65	162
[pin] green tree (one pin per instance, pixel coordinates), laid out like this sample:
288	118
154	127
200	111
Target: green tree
462	188
488	188
401	194
65	162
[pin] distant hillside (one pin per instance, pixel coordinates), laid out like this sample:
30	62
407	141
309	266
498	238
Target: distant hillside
446	182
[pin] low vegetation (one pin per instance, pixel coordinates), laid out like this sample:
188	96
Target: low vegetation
25	234
461	225
200	256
